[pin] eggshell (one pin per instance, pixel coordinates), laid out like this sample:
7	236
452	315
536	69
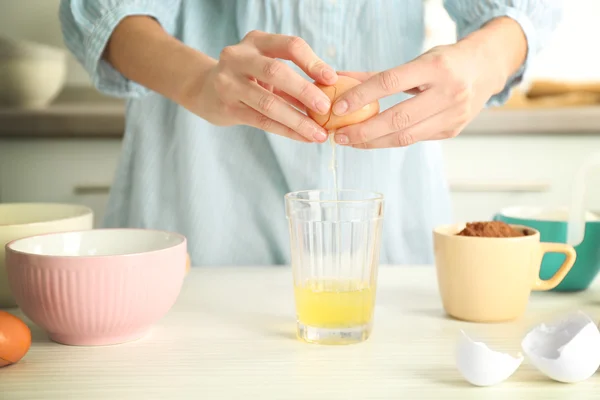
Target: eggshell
15	339
566	350
332	122
480	365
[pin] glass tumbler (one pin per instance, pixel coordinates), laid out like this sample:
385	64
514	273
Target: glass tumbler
335	242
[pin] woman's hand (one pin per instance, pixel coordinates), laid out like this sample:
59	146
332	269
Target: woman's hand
250	86
451	85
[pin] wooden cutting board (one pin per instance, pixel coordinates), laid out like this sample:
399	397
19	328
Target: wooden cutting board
542	88
521	100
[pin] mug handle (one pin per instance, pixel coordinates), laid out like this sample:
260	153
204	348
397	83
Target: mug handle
569	251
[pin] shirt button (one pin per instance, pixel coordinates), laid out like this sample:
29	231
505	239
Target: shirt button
331	51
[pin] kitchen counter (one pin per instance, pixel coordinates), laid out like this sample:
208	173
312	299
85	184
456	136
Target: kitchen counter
559	121
76	113
84	113
231	336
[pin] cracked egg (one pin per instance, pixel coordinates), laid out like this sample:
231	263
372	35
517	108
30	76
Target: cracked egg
333	122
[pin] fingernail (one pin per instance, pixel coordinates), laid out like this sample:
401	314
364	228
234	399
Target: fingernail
323	106
340	107
319	136
341	139
328	74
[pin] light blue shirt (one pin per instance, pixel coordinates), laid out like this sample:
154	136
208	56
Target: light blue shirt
223	187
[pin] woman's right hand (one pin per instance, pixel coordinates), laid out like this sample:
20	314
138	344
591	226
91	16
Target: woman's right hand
250	86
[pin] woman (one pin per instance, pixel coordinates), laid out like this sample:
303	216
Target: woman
215	128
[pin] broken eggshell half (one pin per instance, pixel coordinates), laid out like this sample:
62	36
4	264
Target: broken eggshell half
566	350
482	366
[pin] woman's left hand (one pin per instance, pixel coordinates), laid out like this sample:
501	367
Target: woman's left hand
450	84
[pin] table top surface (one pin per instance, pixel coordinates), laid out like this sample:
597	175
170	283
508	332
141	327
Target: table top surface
231	335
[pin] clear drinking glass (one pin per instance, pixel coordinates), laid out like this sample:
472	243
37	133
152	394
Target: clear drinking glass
335	241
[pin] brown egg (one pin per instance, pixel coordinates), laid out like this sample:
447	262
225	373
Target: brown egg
332	122
15	339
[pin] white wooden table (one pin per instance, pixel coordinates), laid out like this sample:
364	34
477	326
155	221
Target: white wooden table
231	336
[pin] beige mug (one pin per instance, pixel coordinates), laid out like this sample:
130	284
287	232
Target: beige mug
483	279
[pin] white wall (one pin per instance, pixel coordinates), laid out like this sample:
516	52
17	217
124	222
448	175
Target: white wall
37	20
573	52
572	55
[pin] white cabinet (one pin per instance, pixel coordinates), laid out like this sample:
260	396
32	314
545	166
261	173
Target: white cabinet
487	173
58	170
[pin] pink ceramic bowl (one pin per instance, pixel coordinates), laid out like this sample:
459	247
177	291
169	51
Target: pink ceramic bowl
97	287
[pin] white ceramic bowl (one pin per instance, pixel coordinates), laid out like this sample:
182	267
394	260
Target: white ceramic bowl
19	220
31	75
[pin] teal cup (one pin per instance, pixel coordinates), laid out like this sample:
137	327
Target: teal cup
552	226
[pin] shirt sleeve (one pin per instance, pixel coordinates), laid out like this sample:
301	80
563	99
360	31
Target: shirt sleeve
87	26
537	18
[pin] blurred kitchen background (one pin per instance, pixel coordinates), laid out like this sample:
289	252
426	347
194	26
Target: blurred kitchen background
525	153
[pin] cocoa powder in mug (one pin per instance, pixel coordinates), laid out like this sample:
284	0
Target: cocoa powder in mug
496	229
